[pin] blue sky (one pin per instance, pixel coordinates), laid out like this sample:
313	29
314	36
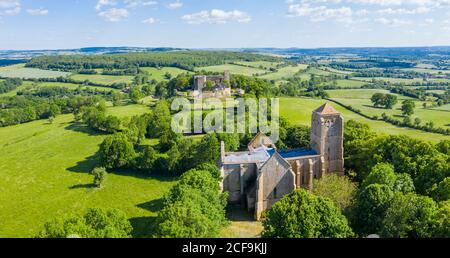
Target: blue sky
48	24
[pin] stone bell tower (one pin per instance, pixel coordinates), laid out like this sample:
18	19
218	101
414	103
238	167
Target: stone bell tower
327	138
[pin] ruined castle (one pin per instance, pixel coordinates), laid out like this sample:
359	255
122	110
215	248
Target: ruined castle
261	176
220	86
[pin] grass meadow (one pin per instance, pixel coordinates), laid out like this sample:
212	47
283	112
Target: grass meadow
73	86
44	172
30	73
360	99
299	110
285	72
102	79
158	74
234	69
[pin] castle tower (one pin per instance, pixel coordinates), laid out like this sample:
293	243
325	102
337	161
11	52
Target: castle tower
327	138
227	76
199	82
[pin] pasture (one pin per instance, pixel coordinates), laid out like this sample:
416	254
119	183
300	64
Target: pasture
102	79
400	80
73	86
158	74
360	99
260	64
348	83
285	72
31	73
299	110
45	174
234	69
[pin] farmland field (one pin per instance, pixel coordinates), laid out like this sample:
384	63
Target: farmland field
11	67
234	69
158	73
102	79
72	86
298	111
31	73
258	64
400	80
360	99
44	173
349	83
284	72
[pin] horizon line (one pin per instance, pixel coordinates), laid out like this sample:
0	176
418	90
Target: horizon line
233	48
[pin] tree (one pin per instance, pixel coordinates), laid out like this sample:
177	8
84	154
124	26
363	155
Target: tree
197	179
193	215
378	99
409	216
147	158
95	223
408	107
370	208
304	215
441	191
194	207
298	136
99	176
340	189
208	150
111	124
390	101
161	120
383	174
417	121
387	101
211	168
442	220
117	151
135	94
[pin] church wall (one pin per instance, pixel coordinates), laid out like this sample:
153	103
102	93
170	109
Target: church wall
232	182
274	182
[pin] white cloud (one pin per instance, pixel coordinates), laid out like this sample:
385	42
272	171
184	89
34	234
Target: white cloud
10	7
393	22
114	14
320	13
400	11
39	11
217	16
137	3
102	3
175	5
150	21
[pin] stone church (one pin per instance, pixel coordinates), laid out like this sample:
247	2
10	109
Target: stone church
261	176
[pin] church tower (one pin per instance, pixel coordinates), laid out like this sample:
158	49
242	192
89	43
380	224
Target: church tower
327	138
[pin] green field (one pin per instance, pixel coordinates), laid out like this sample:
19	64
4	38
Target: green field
102	79
425	70
260	64
360	99
44	174
11	67
30	73
298	111
348	83
284	72
234	69
29	84
158	73
399	80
